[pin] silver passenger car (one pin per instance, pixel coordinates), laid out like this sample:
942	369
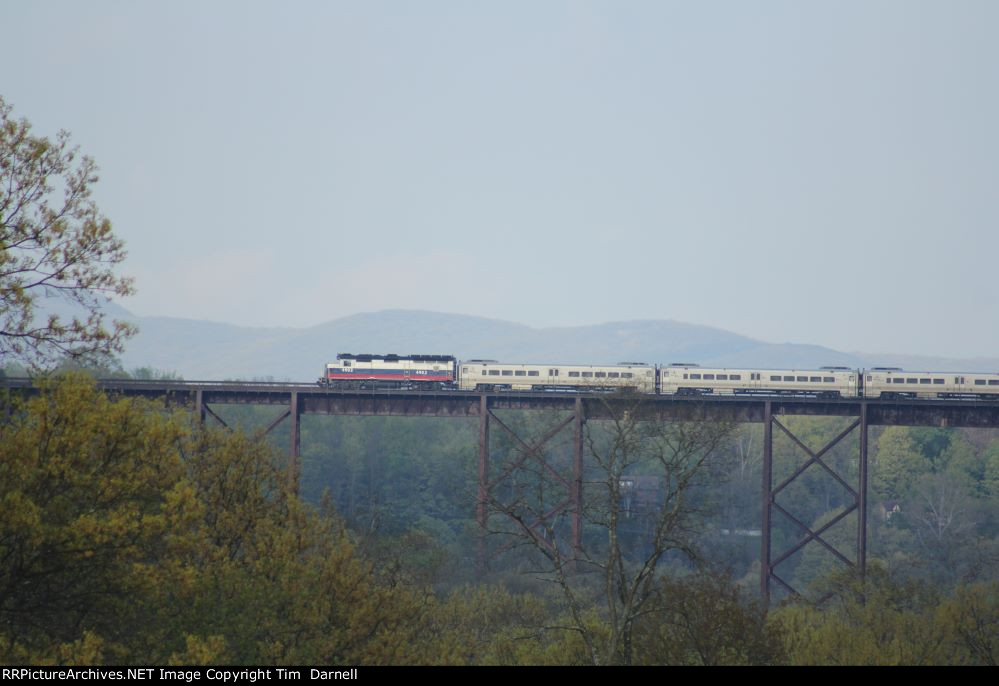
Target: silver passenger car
487	375
897	383
686	379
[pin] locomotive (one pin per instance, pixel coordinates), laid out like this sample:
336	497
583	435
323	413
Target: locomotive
446	372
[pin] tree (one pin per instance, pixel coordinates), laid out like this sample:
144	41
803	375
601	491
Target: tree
877	619
641	504
116	513
703	619
972	618
990	480
54	243
898	464
82	483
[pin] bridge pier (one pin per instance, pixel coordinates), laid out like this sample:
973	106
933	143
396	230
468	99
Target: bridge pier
767	500
540	518
482	501
576	493
768	565
293	467
295	449
199	406
862	495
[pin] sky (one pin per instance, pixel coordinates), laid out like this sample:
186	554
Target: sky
803	171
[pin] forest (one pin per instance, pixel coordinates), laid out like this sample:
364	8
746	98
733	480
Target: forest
133	535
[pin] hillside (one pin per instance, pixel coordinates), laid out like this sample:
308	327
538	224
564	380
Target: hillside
212	350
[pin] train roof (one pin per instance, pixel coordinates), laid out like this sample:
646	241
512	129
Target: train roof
368	357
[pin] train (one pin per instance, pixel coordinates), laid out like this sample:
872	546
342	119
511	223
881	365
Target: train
446	372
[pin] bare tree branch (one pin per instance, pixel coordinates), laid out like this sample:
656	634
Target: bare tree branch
54	243
616	565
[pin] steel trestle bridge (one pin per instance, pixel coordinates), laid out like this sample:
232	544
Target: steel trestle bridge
297	399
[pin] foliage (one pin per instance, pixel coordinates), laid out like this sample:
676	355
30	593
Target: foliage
82	487
703	619
54	243
878	620
898	464
116	512
886	619
485	625
971	619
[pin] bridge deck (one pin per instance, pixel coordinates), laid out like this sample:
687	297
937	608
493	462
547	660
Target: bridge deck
311	399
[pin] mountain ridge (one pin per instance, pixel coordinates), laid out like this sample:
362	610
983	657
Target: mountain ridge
209	350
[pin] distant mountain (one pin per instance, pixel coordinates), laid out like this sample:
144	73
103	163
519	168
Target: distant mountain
210	350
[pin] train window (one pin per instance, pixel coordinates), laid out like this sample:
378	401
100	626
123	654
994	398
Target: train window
775	378
926	381
908	380
685	376
723	377
573	374
464	370
626	375
494	372
520	372
958	379
507	372
993	382
754	377
897	379
587	375
802	378
938	381
600	375
979	382
788	378
613	375
815	379
346	363
532	373
735	377
828	379
710	377
695	376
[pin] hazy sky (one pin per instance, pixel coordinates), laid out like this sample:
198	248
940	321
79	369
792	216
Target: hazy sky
823	172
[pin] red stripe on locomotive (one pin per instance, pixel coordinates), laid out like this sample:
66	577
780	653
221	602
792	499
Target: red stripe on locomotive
361	376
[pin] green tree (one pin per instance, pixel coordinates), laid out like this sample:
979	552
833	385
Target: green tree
990	479
485	625
898	464
703	619
971	618
82	488
116	512
876	620
54	243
